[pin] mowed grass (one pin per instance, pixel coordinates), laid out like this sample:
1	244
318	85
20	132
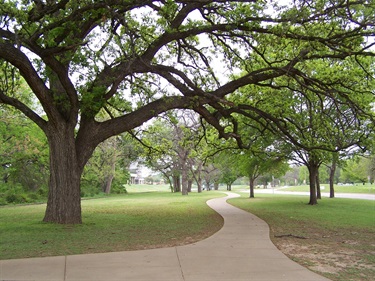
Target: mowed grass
356	188
114	223
339	233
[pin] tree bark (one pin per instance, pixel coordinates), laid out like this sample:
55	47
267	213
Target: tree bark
109	178
313	169
107	184
197	176
199	184
318	191
252	181
64	200
184	181
332	171
176	183
190	185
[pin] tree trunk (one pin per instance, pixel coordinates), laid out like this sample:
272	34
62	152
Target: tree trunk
176	183
208	185
216	185
313	169
332	171
109	174
199	181
64	200
252	181
109	178
108	184
318	191
190	185
174	180
184	181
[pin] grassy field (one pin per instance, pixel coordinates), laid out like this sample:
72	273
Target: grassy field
114	223
356	188
334	238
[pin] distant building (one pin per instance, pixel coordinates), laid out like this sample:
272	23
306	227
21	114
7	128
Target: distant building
136	173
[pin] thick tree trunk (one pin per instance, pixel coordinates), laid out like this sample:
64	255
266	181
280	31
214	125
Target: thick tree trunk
108	183
199	177
109	178
174	180
332	171
313	169
318	191
199	184
176	183
216	186
252	181
184	182
190	185
64	201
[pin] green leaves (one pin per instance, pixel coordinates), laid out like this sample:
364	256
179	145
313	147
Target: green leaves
307	70
10	78
23	152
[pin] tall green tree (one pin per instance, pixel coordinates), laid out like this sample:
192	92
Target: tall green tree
81	58
356	170
109	165
313	120
156	143
170	145
254	164
23	152
23	147
228	163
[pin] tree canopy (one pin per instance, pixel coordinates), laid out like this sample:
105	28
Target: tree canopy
133	60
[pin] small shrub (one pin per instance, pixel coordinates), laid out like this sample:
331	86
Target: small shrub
34	197
3	201
17	198
89	191
118	189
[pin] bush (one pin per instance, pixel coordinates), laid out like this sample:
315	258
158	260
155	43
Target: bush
118	189
42	192
16	194
3	201
17	198
89	190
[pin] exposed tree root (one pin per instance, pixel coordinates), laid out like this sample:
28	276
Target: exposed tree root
291	235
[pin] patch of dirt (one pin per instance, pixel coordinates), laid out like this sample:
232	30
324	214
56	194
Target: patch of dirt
338	256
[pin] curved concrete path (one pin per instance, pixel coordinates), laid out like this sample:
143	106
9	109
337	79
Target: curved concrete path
241	250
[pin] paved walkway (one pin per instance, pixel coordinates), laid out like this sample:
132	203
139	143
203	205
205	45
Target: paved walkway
241	250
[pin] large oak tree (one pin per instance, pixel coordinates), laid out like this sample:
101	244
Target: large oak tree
136	59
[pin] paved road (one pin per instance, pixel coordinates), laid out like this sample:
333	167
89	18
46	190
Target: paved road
240	251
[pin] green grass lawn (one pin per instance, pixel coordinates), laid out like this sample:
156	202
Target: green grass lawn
114	223
138	188
340	233
356	188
